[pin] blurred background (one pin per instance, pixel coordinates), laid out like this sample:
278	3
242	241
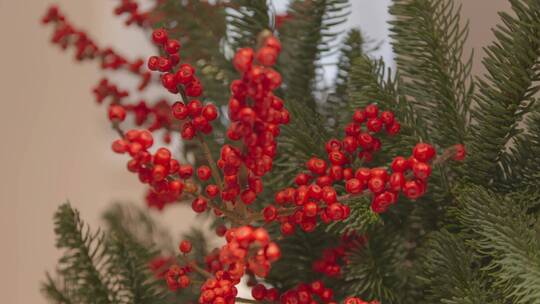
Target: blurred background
55	140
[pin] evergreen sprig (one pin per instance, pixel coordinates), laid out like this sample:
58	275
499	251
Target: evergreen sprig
505	93
508	237
428	40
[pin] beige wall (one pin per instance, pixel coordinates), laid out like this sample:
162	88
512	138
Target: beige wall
55	139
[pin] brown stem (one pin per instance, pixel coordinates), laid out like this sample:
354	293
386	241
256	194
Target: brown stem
196	267
243	300
116	127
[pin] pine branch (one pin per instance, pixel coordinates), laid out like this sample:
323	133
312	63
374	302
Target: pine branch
378	270
129	263
337	109
136	223
522	163
83	267
428	41
508	238
506	91
246	20
449	272
306	38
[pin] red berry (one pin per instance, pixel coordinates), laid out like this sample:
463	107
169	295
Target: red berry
460	152
185	171
413	189
376	184
353	186
258	292
159	173
387	117
172	46
269	213
273	42
185	246
317	165
185	74
169	81
267	56
117	112
199	205
243	59
379	172
396	181
374	125
210	112
119	146
310	209
372	111
302	179
176	187
153	63
393	129
248	196
159	36
359	116
180	110
421	170
212	190
204	173
423	152
272	252
194	107
400	164
164	64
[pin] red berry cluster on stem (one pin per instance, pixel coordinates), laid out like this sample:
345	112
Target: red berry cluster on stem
66	35
332	258
131	9
256	115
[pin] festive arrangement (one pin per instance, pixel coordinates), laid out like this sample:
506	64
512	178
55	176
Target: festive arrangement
363	192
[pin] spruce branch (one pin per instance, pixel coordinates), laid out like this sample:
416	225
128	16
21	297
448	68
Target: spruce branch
428	39
505	92
503	232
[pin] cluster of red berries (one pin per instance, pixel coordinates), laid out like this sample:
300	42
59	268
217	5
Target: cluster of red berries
255	114
315	292
159	265
178	277
159	170
361	139
197	116
332	258
131	8
158	116
260	293
247	249
355	300
409	175
174	75
66	35
221	289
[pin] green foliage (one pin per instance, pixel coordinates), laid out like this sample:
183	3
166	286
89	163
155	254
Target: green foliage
83	267
246	20
450	272
506	92
508	237
99	268
380	269
308	36
337	107
428	42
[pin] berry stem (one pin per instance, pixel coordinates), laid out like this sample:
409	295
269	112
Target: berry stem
243	300
196	267
118	129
